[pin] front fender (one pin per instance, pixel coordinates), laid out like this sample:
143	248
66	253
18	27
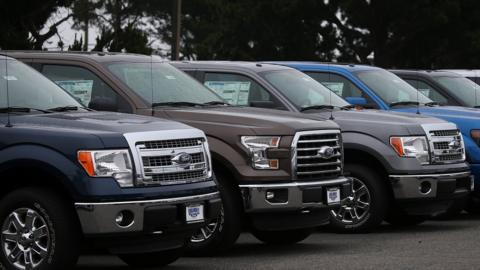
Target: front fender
68	174
393	163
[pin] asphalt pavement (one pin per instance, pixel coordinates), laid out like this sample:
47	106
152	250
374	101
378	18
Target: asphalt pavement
452	244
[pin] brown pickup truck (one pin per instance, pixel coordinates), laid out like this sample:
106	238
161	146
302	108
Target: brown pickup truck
279	174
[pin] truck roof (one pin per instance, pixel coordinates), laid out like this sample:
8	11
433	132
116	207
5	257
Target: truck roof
425	73
238	65
95	56
314	65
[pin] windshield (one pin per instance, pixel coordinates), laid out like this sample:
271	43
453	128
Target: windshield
169	83
28	88
464	89
390	88
302	90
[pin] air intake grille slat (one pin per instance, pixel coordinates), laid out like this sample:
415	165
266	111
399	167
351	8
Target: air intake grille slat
161	165
447	146
310	164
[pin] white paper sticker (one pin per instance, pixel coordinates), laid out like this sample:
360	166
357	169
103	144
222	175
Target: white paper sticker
336	87
10	78
194	213
333	195
81	89
234	92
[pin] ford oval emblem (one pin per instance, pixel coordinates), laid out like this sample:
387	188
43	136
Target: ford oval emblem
182	159
326	152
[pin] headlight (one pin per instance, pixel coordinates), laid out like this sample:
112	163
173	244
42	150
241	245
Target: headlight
108	163
475	134
416	147
258	145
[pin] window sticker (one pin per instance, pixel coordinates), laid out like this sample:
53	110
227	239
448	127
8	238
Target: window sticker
425	92
10	78
234	92
81	89
336	87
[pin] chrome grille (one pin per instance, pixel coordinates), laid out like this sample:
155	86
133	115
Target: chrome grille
446	146
173	143
309	162
161	166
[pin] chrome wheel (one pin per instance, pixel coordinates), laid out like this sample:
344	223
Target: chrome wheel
205	233
25	239
355	207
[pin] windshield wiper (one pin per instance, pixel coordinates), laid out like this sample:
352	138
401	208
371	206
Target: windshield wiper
217	103
64	109
431	104
21	110
177	103
402	103
330	107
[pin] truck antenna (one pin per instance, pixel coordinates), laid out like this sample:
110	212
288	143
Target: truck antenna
9	123
330	94
151	80
418	97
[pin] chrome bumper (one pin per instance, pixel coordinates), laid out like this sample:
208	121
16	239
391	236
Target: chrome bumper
99	218
258	197
425	185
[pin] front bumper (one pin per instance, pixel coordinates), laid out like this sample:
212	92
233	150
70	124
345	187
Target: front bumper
436	192
291	205
149	216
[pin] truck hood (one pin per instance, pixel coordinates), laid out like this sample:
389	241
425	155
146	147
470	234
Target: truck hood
466	118
109	127
381	124
237	121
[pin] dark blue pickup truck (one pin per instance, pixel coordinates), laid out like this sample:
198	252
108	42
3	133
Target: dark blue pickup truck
134	185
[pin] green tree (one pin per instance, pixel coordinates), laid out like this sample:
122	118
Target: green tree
23	21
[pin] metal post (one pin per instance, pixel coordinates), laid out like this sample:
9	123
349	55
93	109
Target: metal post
176	31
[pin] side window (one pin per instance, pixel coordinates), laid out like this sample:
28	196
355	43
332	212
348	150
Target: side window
87	87
428	91
341	86
240	90
338	84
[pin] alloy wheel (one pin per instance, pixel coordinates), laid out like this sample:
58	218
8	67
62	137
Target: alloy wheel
355	207
25	239
206	232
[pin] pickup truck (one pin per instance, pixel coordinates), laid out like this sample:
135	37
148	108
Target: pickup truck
279	174
72	177
387	183
443	87
373	87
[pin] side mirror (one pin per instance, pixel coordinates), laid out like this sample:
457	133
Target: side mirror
103	104
357	101
263	104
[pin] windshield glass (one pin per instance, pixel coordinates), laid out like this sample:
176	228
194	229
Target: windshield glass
302	90
390	87
169	83
462	88
28	88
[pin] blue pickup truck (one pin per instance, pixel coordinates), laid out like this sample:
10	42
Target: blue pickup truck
71	176
376	88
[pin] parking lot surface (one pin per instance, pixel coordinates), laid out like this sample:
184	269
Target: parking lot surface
453	244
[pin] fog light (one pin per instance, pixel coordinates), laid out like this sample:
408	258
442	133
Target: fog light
125	219
425	187
276	196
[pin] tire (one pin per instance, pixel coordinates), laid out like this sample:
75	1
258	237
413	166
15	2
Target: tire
367	207
288	237
400	219
37	220
473	205
221	234
152	260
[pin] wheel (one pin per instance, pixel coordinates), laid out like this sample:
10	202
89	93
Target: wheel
366	208
287	237
220	235
397	217
38	231
152	260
